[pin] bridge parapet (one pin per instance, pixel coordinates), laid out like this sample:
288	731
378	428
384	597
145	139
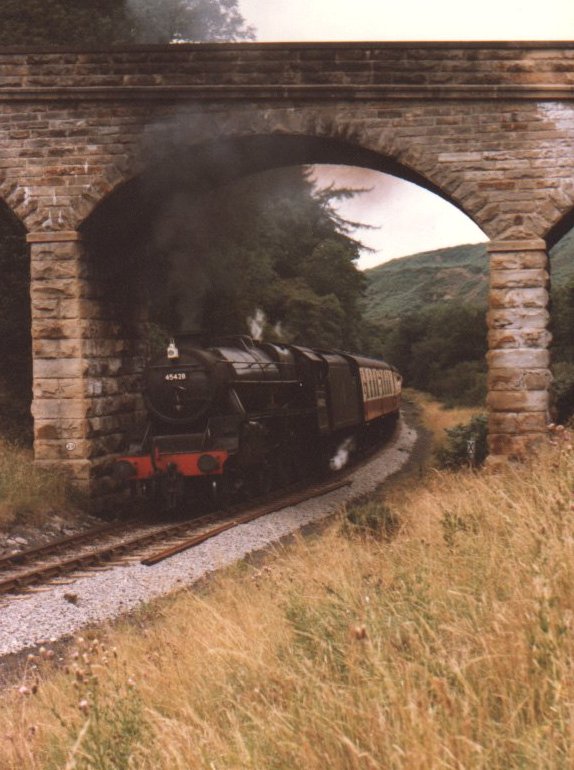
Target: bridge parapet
295	70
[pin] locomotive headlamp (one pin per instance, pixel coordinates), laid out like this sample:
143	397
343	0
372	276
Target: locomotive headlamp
172	351
208	463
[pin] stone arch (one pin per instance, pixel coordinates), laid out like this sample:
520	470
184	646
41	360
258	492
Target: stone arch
301	136
559	229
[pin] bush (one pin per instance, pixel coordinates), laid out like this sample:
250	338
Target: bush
465	445
371	520
563	391
464	384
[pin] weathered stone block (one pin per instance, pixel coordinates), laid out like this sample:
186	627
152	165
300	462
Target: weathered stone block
521	279
525	358
517	422
54	328
60	388
519	379
54	270
57	348
519	298
69	450
59	429
49	368
521	260
79	471
59	408
514	446
519	338
518	318
518	400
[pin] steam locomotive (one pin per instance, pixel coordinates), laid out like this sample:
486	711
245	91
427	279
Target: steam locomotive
238	416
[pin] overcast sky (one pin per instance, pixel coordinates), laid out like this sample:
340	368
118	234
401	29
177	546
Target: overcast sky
408	218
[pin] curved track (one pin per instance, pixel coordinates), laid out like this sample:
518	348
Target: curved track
98	547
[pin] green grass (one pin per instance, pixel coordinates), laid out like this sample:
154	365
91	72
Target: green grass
28	493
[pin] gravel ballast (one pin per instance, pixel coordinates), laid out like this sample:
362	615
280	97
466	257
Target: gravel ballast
50	615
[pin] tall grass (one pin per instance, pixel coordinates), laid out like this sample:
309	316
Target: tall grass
448	645
27	493
438	418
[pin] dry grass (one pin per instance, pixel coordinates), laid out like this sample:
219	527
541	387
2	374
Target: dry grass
27	493
437	418
451	646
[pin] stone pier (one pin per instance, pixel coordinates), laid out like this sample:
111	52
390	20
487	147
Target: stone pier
86	364
518	339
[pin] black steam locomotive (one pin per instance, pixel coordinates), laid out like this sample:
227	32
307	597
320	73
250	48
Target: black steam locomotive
241	416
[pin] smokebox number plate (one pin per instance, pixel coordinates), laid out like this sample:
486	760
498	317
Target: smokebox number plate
174	376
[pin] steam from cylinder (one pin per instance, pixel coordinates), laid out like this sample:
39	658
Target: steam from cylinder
342	455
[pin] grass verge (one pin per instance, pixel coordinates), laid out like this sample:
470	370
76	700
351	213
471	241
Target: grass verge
447	642
28	493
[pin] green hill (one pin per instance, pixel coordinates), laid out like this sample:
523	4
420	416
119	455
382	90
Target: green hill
460	273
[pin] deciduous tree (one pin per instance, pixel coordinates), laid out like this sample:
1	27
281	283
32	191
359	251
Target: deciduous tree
28	23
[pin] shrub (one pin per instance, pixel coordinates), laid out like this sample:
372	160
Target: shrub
465	445
563	391
371	520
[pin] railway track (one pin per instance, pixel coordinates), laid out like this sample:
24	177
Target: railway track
98	548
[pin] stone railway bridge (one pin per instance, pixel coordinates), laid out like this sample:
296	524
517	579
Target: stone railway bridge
93	142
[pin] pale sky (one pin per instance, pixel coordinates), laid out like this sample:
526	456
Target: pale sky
410	19
409	219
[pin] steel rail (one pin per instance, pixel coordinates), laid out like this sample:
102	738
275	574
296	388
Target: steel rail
104	553
62	542
19	581
258	513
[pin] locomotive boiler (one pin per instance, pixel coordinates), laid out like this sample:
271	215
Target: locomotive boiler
239	416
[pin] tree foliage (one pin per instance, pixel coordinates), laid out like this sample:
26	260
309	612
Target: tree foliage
118	22
271	244
15	334
442	351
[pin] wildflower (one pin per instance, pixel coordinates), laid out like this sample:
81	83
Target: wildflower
84	706
359	632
